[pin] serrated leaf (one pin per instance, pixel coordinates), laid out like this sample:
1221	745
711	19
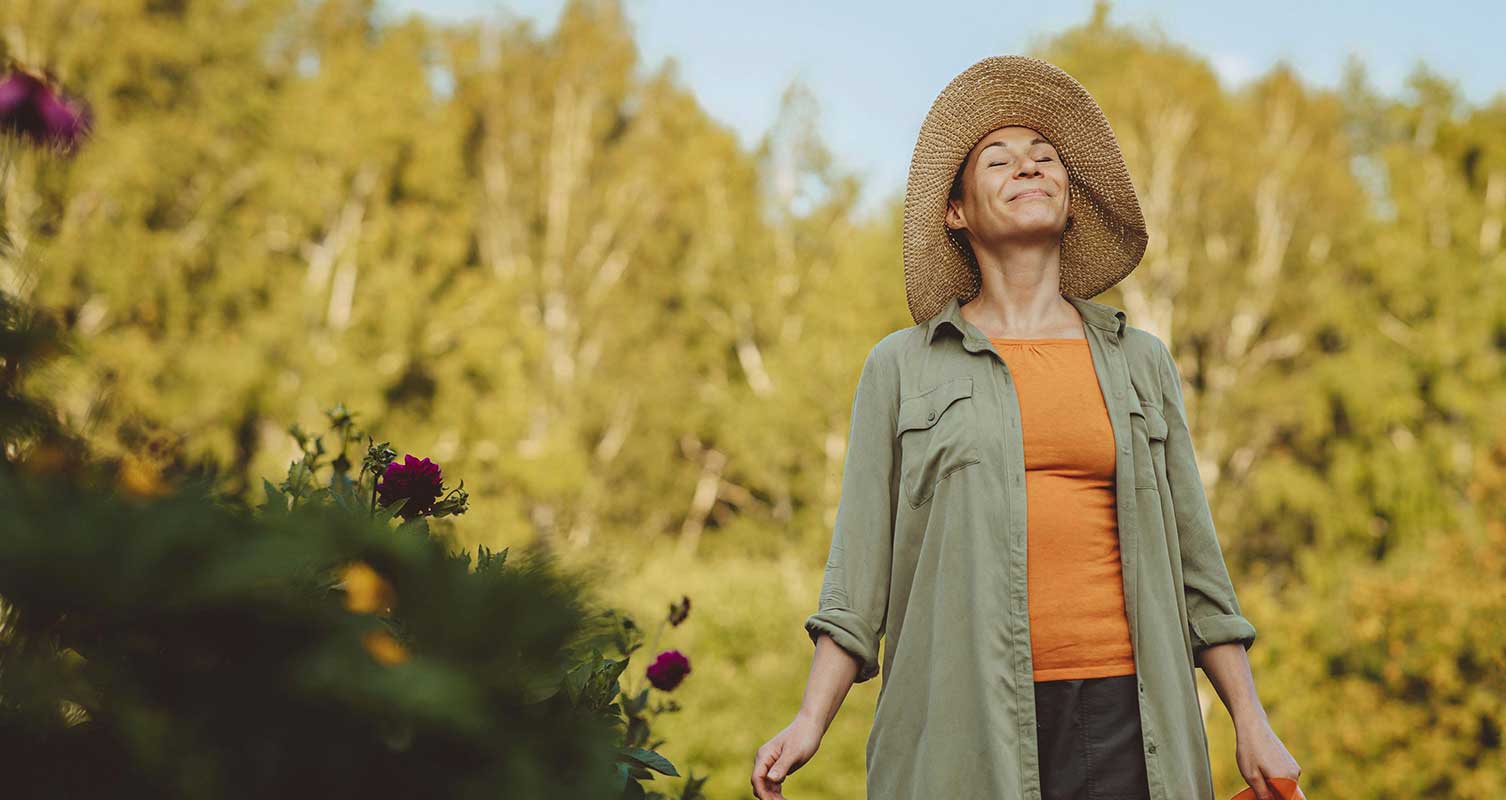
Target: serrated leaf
616	667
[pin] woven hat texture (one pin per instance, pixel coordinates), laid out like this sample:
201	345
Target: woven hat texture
1107	237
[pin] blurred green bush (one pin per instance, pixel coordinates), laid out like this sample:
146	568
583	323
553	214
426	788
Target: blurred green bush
177	648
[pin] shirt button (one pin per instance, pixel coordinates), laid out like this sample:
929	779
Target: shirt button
1124	449
1152	747
931	417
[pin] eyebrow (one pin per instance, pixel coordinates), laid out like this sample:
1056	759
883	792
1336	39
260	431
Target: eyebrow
1000	143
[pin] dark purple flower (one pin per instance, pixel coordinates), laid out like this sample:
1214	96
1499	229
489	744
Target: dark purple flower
417	480
36	111
668	670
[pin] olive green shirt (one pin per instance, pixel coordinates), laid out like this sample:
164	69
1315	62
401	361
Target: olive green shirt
929	550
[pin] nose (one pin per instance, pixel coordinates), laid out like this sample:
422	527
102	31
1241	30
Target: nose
1028	167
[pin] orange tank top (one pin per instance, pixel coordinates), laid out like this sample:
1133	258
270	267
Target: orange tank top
1078	624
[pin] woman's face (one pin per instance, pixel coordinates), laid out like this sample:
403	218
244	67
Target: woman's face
1013	186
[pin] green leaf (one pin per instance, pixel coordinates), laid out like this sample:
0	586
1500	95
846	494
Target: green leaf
647	759
299	481
391	509
488	560
693	786
418	525
538	687
602	686
577	678
276	500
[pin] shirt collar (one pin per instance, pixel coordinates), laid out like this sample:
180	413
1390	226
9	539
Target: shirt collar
1099	315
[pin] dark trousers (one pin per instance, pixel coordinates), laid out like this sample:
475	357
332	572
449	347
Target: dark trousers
1088	735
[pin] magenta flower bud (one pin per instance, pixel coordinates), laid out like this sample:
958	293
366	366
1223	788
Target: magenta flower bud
32	109
679	611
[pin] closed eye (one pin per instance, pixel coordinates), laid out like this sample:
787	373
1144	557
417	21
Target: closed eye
1002	163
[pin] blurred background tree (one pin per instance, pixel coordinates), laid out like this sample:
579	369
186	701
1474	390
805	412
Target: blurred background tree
157	640
546	265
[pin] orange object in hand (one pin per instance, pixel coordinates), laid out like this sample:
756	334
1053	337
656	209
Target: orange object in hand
1286	789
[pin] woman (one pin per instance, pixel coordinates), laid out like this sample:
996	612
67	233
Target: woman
1058	664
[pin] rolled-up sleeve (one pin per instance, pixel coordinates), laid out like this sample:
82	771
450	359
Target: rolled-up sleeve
854	600
1213	613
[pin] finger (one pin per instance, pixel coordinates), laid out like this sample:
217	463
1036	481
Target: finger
780	770
759	782
766	759
1262	789
765	790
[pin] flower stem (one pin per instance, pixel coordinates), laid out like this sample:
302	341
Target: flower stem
655	648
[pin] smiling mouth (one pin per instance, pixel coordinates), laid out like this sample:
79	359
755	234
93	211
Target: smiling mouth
1024	195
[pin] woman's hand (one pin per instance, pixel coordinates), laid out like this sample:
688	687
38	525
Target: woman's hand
783	754
1261	755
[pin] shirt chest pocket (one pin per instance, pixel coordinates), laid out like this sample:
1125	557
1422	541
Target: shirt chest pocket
937	436
1149	429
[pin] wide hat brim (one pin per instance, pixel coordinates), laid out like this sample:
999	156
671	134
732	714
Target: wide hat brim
1107	237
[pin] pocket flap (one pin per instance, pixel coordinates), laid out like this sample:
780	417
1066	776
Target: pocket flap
923	410
1155	424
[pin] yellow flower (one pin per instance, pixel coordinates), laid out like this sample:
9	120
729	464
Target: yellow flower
140	477
366	591
383	648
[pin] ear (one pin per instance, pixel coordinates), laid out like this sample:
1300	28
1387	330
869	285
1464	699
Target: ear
954	219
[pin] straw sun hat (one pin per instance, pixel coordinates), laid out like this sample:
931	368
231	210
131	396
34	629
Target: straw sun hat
1107	236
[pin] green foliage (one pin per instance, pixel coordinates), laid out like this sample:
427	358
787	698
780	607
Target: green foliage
177	648
180	647
1386	680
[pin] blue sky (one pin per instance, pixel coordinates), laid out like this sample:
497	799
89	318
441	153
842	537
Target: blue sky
876	66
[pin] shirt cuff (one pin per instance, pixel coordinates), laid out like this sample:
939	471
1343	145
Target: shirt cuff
850	633
1222	629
